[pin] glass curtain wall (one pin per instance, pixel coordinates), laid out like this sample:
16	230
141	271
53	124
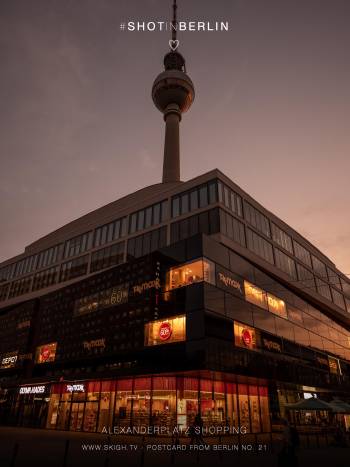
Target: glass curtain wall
163	401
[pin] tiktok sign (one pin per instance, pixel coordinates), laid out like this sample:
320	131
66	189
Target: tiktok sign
165	331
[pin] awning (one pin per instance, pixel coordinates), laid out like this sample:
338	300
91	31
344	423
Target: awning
310	404
340	406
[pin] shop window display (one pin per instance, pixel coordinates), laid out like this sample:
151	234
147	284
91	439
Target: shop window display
187	274
165	331
166	401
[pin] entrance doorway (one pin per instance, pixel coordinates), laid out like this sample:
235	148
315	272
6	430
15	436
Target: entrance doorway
76	416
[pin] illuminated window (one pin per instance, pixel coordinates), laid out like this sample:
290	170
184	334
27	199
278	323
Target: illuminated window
46	353
245	336
187	274
276	305
165	331
255	295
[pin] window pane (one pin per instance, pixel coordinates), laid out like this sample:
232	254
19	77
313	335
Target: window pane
212	192
148	220
156	214
133	219
164	210
140	220
203	196
184	203
176	207
194	200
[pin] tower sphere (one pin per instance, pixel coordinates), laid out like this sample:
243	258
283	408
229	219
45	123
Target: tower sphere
173	86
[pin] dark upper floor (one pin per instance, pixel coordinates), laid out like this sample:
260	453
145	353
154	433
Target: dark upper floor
161	215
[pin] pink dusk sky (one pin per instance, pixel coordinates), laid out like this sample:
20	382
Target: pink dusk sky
78	128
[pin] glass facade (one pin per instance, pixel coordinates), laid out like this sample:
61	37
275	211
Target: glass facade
148	217
166	401
189	273
110	232
165	331
146	243
74	268
77	245
107	257
199	197
260	246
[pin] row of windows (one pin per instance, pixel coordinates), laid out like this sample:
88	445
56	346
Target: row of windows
3	291
20	287
48	257
230	199
319	267
75	268
146	243
45	278
107	257
302	254
275	305
197	198
306	278
110	232
281	238
145	218
286	264
77	245
206	222
260	246
232	228
257	219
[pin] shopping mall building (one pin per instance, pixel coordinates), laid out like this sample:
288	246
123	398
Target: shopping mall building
178	299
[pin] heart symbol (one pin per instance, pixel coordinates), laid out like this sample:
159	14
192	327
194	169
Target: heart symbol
174	44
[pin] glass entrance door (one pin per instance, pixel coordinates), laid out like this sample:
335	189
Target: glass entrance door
76	416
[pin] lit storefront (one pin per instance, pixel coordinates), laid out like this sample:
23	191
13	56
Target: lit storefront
189	273
165	331
166	401
31	406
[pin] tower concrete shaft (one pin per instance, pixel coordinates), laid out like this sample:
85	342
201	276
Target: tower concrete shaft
171	161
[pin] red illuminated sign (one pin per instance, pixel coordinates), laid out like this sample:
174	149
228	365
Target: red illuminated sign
165	331
246	337
45	353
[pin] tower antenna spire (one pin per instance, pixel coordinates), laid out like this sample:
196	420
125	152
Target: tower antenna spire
174	22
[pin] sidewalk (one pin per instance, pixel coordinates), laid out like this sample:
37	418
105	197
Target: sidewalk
44	448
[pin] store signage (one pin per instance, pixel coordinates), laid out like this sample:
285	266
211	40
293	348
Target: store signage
334	366
8	362
165	331
271	345
276	305
46	353
245	336
75	387
104	299
119	295
255	295
229	281
32	389
97	343
25	356
153	284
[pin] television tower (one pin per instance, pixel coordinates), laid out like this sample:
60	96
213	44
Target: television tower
172	94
